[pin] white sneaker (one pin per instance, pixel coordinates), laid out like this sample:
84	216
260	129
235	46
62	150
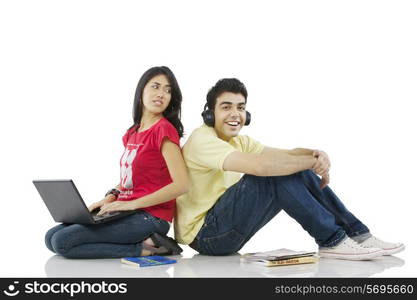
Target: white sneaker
350	250
388	248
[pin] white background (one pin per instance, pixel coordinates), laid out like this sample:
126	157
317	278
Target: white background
334	75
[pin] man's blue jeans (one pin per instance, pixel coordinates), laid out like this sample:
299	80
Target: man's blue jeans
119	238
253	201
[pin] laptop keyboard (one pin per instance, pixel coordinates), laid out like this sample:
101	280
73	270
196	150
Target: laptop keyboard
106	215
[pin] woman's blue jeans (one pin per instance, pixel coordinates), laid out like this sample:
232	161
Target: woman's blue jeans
119	238
252	202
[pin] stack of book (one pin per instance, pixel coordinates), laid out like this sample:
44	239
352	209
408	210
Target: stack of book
280	257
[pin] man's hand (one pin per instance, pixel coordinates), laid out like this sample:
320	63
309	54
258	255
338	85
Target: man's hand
108	199
322	165
325	179
117	206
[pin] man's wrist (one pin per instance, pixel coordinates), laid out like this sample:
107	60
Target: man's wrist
312	161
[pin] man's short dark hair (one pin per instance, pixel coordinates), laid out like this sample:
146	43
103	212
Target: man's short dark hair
231	85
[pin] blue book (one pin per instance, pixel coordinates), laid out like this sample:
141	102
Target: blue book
147	261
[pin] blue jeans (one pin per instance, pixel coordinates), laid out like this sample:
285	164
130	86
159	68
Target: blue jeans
119	238
253	201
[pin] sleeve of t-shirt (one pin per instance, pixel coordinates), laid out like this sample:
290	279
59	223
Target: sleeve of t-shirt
208	151
125	138
249	145
166	130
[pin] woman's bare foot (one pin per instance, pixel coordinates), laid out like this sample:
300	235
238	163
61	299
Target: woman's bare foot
148	247
146	252
149	242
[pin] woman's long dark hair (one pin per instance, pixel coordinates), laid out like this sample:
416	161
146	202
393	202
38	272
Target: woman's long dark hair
173	112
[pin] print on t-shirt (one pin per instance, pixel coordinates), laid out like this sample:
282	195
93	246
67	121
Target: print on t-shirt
126	165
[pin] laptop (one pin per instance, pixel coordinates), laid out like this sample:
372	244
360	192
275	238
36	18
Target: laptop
65	204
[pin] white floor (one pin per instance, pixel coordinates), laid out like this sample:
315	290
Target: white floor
23	254
226	266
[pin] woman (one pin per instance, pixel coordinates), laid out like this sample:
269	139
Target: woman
152	175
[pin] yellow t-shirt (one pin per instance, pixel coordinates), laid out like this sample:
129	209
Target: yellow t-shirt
204	154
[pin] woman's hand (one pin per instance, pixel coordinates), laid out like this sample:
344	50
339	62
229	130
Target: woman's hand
110	198
117	206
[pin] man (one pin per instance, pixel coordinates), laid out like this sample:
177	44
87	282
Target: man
223	210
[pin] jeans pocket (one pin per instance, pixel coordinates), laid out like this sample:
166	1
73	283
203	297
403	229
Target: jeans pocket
223	244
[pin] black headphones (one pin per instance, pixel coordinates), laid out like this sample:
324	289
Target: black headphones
208	116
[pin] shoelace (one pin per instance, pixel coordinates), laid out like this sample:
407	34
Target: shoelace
352	244
375	242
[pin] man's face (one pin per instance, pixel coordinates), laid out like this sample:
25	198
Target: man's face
229	114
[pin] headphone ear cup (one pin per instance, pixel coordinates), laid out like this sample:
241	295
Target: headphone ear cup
208	117
248	118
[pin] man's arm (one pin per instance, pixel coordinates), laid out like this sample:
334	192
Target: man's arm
270	162
301	151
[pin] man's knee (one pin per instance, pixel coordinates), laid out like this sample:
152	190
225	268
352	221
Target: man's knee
286	178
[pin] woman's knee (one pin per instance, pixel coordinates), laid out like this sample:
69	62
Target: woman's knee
49	234
59	243
48	244
48	237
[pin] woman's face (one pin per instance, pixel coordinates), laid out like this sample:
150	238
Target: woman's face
156	94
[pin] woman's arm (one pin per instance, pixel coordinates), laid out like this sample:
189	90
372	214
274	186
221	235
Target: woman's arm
179	185
179	175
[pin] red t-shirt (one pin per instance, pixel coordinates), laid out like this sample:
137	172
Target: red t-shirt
142	167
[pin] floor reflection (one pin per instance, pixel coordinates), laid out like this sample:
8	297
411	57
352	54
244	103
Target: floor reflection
57	266
217	266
